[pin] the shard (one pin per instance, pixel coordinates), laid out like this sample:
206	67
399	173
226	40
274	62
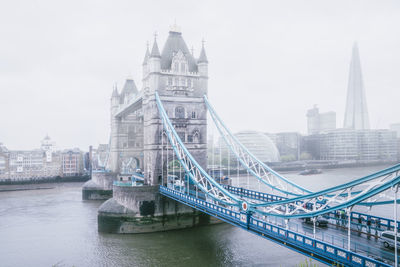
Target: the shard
356	116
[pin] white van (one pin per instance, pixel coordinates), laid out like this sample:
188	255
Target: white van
387	238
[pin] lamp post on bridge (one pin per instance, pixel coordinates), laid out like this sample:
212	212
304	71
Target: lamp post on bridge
395	188
314	219
349	228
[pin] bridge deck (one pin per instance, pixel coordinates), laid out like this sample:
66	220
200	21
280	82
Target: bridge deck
318	249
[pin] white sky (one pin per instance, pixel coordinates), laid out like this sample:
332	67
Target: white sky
269	61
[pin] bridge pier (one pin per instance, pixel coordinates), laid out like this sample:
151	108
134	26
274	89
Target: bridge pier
142	209
99	187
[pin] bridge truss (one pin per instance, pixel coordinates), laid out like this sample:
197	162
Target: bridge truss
250	210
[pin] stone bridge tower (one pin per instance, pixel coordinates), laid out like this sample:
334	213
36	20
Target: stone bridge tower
181	81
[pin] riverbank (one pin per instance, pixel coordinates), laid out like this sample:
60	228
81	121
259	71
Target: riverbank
314	164
24	189
46	180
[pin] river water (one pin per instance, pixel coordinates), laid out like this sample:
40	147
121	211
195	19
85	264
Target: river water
55	227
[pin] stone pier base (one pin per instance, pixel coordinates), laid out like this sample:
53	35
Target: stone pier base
99	187
142	210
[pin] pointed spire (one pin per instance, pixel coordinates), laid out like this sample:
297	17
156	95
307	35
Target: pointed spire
147	55
203	56
115	91
356	116
155	52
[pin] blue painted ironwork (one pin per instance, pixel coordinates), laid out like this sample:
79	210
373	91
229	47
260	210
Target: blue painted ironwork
247	208
316	249
196	173
252	164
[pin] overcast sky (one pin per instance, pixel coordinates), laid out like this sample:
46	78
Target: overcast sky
269	61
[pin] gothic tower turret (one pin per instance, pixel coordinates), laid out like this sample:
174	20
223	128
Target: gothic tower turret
181	83
113	161
145	68
203	62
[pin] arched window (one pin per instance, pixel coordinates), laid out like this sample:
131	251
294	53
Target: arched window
179	112
183	67
196	136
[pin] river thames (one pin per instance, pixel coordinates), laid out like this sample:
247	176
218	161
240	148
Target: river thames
56	227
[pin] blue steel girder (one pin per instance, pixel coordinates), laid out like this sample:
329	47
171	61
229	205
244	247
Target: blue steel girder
192	169
277	182
372	192
317	249
251	163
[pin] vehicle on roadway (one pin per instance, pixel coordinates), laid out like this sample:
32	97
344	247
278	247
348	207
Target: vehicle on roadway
387	238
320	222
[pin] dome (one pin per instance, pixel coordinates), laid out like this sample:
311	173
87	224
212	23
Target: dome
260	145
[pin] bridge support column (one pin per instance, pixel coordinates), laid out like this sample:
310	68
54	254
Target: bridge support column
99	187
314	220
142	209
349	228
395	189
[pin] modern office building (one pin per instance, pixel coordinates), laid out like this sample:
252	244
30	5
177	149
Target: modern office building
320	122
358	145
395	127
259	144
288	144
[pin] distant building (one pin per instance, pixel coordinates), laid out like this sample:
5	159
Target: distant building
312	145
40	163
357	145
356	115
4	165
288	144
72	162
320	122
395	127
100	156
25	164
260	145
48	147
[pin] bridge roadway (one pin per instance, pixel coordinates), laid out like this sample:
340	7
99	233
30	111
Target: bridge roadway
364	238
329	245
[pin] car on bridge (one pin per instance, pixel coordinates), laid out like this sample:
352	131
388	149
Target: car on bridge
174	182
387	238
320	222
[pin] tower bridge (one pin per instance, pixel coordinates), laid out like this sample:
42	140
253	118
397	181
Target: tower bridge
165	123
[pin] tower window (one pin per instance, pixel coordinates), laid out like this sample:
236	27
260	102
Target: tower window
181	136
183	67
179	112
193	114
196	137
183	82
189	82
176	66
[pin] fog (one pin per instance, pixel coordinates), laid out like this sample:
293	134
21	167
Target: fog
269	61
